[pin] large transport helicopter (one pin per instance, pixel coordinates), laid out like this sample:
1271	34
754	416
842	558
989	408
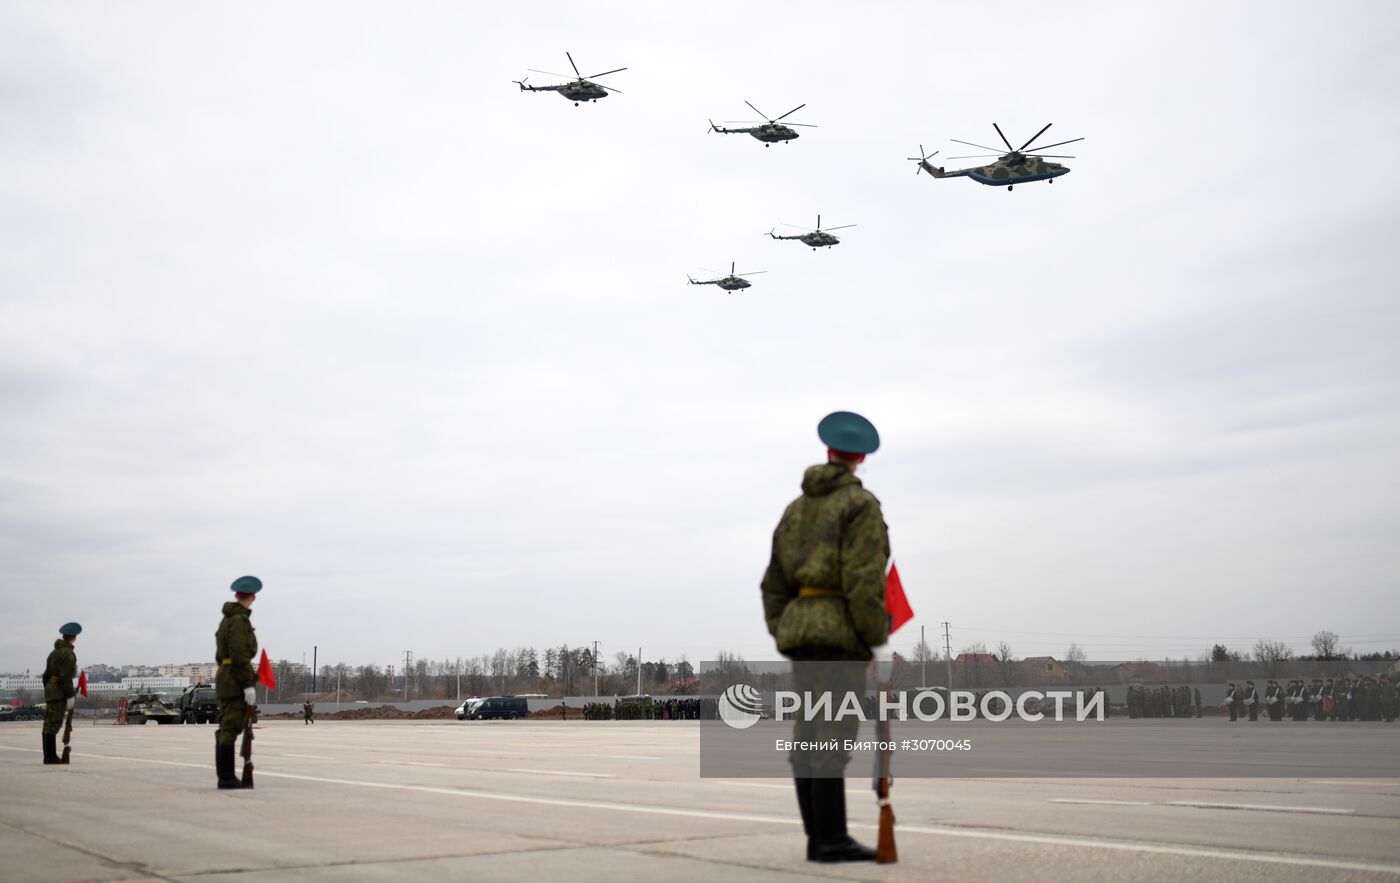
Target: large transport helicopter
732	282
817	238
770	132
1022	165
576	90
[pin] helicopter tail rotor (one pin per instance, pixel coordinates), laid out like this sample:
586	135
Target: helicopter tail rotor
922	160
520	83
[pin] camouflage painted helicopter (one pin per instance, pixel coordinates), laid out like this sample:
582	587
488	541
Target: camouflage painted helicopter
1020	166
576	90
817	238
732	282
770	133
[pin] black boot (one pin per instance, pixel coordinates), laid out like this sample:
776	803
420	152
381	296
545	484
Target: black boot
804	805
223	762
830	842
51	749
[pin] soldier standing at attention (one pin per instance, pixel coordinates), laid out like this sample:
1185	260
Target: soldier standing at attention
824	599
235	645
1251	701
1230	700
60	670
308	712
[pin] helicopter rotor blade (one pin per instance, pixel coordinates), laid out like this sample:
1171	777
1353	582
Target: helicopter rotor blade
1056	144
1050	155
1037	135
609	88
760	113
749	273
970	144
1003	138
842	227
803	125
791	112
708	270
605	73
975	155
574	66
799	227
546	73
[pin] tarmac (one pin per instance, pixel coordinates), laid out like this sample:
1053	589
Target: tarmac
618	801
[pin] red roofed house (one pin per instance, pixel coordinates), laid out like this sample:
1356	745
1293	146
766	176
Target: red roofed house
1041	670
975	670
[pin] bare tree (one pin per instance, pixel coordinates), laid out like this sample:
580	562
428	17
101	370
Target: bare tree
1006	663
1271	655
1325	646
1074	662
974	662
922	655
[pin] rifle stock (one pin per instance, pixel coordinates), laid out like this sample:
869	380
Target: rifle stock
885	852
68	737
247	751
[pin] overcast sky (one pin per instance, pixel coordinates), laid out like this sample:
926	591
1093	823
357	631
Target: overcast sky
315	293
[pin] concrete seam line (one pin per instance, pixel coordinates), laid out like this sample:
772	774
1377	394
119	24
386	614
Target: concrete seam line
939	830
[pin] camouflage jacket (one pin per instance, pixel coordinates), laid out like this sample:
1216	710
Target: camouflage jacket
235	645
60	670
831	537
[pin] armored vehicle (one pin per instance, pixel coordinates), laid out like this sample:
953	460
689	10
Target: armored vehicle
199	704
150	706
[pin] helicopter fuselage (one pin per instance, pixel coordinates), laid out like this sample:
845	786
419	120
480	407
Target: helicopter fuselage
575	91
773	133
815	239
733	283
1005	172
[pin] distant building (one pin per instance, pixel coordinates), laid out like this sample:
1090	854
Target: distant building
975	669
1043	670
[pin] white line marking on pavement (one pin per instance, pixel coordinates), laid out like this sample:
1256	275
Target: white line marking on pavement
1100	802
1382	784
309	756
561	773
754	785
1263	807
1268	858
406	763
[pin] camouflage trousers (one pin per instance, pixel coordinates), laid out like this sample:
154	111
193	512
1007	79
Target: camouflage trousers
839	679
233	717
54	710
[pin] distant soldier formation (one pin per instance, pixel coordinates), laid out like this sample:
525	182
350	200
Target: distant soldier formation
1335	699
635	708
1163	701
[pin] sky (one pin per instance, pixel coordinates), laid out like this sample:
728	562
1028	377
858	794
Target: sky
313	292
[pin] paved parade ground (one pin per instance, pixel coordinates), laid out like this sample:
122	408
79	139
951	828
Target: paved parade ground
553	800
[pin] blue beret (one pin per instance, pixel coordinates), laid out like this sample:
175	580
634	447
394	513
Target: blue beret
848	433
247	585
70	628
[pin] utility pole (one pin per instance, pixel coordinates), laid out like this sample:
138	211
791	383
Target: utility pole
314	648
639	671
595	669
407	667
948	650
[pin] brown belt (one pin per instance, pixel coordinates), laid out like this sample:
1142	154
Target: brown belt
814	592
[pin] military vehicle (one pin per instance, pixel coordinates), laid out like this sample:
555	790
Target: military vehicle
817	238
199	704
1020	165
150	706
732	282
770	132
577	91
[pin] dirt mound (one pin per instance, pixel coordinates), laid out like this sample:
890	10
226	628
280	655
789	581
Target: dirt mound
554	714
378	712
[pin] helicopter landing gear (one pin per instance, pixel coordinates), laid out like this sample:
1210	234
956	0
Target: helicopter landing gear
1008	187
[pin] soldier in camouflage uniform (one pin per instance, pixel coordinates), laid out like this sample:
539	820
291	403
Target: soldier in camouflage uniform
235	646
308	712
824	600
60	671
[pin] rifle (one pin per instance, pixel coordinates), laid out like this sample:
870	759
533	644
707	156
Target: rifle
885	853
67	737
247	751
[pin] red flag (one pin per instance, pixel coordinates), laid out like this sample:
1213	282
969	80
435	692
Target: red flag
82	682
265	676
895	603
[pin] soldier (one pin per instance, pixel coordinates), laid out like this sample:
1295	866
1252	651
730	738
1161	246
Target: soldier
1329	701
1273	700
1315	698
60	670
824	600
1251	701
235	646
1385	688
308	712
1231	700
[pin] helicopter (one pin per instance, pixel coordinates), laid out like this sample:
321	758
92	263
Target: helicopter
732	282
577	90
817	238
770	133
1019	166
